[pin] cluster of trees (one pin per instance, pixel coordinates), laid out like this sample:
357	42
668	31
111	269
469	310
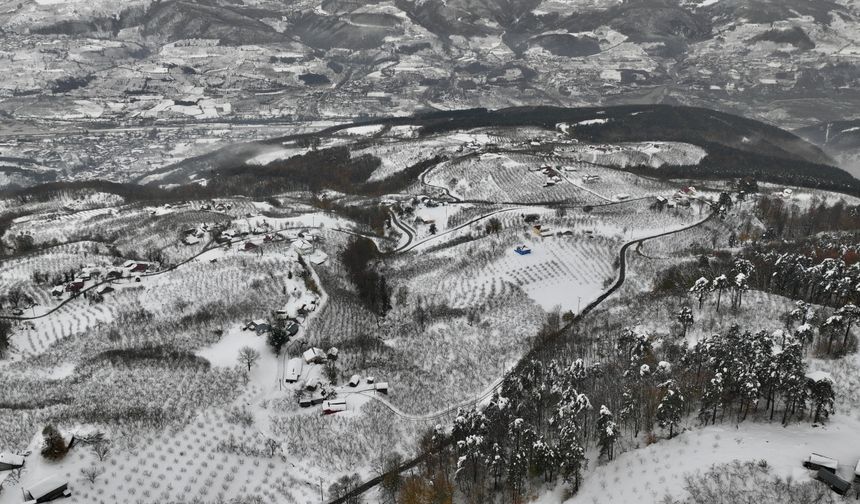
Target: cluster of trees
787	221
373	290
735	282
547	414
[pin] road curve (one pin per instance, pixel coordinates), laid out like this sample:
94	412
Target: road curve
619	281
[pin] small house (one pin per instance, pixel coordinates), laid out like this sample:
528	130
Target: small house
313	355
370	380
303	246
9	461
47	489
835	483
138	267
57	291
381	387
294	370
319	257
331	354
333	406
114	274
817	462
75	286
356	379
191	240
259	326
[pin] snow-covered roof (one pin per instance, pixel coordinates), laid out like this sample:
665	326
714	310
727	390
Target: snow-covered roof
818	376
821	460
11	459
312	354
46	486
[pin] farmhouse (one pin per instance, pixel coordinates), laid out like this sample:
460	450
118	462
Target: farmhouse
47	489
313	355
294	370
9	461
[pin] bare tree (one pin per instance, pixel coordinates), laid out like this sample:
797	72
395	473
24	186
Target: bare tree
273	445
92	473
101	448
248	357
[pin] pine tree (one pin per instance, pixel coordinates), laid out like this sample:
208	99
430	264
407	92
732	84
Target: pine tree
685	317
607	433
701	289
720	284
671	407
822	397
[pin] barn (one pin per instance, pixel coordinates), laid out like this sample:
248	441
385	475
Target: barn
47	489
9	461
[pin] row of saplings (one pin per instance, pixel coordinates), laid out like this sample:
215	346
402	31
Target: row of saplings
548	415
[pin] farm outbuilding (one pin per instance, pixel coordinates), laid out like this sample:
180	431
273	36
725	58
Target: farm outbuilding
291	327
332	353
9	461
381	387
303	246
294	370
75	286
333	406
817	462
835	483
57	291
354	380
104	289
313	355
47	489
